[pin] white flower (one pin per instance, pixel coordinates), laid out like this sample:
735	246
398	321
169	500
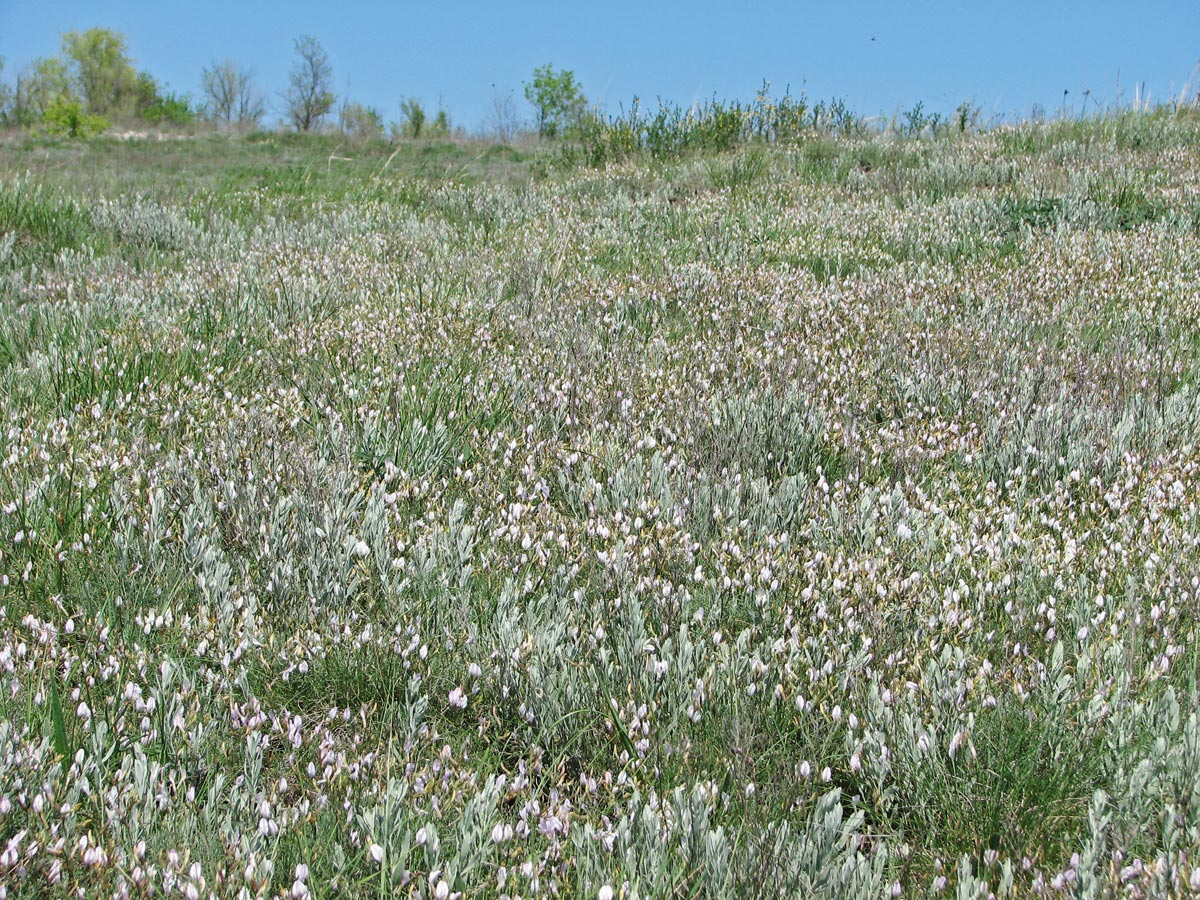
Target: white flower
360	549
606	892
442	890
458	698
956	742
377	853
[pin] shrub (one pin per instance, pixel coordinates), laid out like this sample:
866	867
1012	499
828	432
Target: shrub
66	117
440	126
916	120
359	121
413	114
715	126
169	109
776	120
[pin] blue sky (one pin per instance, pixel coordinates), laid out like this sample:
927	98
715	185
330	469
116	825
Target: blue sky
882	57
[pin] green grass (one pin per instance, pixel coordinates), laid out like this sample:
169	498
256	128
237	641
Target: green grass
1033	213
215	169
1025	790
43	224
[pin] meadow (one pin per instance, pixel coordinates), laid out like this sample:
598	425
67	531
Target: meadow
814	519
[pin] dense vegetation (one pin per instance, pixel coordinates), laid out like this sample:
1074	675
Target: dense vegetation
818	518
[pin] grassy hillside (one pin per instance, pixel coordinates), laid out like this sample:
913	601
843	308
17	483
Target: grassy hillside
808	520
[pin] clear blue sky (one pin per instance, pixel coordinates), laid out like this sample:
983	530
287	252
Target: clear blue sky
880	56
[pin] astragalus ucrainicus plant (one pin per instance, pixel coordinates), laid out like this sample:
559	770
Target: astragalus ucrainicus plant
809	521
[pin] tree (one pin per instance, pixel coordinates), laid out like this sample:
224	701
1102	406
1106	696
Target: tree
6	98
145	93
100	70
558	99
230	94
503	121
308	96
38	86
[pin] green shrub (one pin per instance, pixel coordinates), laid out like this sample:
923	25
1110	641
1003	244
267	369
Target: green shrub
715	126
169	109
440	126
359	121
67	117
916	120
413	118
776	120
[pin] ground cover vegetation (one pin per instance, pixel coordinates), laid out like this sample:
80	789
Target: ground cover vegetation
815	514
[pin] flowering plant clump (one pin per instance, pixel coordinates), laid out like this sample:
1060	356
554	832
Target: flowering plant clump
823	517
